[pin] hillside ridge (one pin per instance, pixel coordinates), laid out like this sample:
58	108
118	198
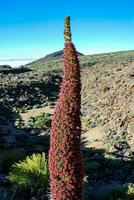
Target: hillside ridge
53	56
54	61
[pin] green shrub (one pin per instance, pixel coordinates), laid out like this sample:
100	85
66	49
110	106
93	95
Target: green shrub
112	143
91	165
116	193
112	162
130	190
19	123
120	193
85	122
85	190
31	172
29	123
42	120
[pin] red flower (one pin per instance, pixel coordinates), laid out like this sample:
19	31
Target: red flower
65	158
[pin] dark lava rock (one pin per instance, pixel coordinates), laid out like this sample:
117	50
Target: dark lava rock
5	67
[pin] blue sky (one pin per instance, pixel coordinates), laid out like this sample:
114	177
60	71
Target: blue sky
30	29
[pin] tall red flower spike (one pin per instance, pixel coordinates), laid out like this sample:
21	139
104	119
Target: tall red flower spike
65	158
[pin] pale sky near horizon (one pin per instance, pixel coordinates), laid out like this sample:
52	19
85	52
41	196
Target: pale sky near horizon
30	29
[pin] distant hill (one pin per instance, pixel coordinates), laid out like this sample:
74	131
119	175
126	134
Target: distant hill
53	56
53	61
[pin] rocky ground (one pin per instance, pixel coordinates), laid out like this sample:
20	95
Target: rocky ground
108	101
23	90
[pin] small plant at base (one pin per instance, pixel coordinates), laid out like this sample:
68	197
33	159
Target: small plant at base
31	172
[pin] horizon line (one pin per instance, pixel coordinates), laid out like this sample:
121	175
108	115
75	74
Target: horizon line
32	59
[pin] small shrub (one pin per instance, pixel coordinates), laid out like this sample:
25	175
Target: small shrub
130	190
85	191
85	122
115	193
91	165
17	123
42	120
120	193
29	123
113	142
31	172
112	162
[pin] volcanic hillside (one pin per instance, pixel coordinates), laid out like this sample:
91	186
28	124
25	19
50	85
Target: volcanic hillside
27	100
